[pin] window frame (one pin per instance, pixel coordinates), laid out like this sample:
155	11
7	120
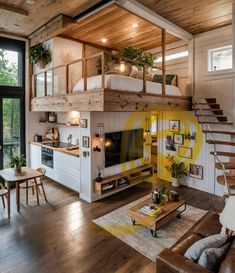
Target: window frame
221	71
18	92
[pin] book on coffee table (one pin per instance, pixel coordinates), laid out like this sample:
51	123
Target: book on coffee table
154	212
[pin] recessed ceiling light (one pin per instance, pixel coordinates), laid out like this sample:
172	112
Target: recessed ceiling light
134	25
30	2
104	40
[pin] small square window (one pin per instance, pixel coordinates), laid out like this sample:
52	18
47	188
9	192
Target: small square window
220	58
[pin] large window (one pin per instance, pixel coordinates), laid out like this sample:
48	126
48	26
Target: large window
220	58
12	99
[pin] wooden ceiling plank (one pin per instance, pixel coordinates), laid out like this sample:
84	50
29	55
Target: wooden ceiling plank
13	9
147	14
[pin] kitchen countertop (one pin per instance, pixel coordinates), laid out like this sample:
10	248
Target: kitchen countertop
74	152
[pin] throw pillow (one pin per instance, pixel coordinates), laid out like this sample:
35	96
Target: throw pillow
169	79
194	252
227	219
212	257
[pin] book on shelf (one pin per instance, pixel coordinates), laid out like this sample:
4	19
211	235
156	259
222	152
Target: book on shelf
153	212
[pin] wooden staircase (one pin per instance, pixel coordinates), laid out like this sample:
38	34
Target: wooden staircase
209	112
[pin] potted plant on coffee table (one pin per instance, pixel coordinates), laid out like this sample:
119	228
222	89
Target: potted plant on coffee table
176	169
18	162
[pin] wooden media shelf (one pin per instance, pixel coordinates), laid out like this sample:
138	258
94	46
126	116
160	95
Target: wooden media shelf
123	180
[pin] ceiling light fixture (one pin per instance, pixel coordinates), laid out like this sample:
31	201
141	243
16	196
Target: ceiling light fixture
134	25
104	40
30	2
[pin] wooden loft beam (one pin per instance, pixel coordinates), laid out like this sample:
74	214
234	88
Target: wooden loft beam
13	9
152	17
50	30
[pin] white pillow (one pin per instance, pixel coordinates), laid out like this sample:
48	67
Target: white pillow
194	252
227	217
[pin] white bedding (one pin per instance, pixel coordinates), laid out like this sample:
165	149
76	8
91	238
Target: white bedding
118	82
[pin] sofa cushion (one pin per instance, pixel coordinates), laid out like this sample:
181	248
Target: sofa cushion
182	246
209	225
195	251
212	257
228	264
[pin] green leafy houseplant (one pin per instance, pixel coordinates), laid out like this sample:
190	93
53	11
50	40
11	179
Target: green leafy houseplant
17	162
40	55
176	169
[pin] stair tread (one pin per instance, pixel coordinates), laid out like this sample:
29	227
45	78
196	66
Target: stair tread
206	103
211	115
220	153
227	165
216	122
230	143
230	179
208	109
220	132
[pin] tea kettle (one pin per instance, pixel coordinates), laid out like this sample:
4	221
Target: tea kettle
156	197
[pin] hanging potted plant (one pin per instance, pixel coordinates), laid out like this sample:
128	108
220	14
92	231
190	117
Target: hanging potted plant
40	56
18	162
176	169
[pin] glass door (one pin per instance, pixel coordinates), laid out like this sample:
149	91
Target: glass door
10	129
12	99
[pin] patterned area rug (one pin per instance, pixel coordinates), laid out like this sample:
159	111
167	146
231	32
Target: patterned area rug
119	224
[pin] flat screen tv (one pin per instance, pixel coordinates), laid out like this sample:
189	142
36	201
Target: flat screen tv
123	146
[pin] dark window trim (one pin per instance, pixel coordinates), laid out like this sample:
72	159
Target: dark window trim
14	91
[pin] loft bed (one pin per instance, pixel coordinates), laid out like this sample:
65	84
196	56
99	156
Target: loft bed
104	92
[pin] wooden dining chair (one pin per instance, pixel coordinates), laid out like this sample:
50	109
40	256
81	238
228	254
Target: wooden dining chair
34	185
3	194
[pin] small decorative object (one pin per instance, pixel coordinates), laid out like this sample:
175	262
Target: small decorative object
174	126
52	117
164	192
169	145
85	141
99	178
100	128
174	196
190	136
185	152
176	169
156	197
178	138
83	123
146	161
96	149
196	171
17	162
40	56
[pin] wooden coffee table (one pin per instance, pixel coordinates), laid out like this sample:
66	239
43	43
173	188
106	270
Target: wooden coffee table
170	210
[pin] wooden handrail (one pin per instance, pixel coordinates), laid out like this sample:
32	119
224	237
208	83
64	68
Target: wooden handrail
84	71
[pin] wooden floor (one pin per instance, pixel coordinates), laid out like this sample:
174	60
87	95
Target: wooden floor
60	236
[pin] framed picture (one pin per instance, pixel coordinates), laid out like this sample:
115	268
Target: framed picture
85	141
174	126
169	145
196	171
185	152
83	123
191	136
178	138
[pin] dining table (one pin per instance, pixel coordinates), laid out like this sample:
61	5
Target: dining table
11	177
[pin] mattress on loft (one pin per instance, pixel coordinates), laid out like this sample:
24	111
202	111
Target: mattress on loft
124	83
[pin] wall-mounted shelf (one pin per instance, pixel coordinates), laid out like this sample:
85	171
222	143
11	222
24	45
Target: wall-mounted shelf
123	180
59	123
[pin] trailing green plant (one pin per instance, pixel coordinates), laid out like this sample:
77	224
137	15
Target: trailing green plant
175	168
18	160
39	54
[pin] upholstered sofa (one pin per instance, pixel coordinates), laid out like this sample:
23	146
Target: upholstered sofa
173	261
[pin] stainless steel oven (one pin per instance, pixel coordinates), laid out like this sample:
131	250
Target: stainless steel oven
47	157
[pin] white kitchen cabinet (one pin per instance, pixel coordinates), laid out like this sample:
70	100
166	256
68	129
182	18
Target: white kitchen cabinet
35	156
67	170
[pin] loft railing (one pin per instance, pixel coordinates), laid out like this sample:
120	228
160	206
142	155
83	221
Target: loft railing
214	144
47	73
